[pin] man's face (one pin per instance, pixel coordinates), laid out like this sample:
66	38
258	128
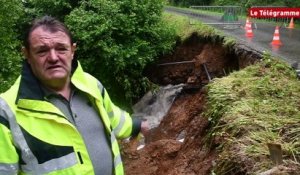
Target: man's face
50	55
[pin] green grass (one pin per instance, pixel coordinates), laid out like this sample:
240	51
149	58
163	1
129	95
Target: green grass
252	107
185	27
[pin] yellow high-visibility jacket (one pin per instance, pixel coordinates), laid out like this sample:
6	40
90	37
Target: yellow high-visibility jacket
36	138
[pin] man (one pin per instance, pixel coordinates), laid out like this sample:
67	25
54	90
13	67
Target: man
56	118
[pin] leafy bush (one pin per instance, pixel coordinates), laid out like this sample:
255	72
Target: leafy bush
10	52
117	39
38	8
57	8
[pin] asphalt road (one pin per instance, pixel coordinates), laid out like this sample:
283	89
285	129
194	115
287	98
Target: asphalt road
262	35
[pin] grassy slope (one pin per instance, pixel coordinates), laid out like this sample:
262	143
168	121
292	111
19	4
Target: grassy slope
185	27
251	108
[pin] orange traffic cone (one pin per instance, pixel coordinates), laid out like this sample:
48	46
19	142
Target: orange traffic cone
276	38
249	32
247	23
291	25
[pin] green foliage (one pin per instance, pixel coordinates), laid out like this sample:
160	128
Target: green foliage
57	8
242	3
10	52
188	3
117	39
38	8
226	2
292	3
249	3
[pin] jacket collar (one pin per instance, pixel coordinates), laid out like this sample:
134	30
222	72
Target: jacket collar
30	87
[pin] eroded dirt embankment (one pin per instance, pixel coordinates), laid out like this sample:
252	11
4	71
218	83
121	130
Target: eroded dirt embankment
165	152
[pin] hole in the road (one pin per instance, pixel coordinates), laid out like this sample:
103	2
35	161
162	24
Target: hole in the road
198	60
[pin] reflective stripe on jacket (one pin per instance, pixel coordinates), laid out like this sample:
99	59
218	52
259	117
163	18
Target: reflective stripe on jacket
36	138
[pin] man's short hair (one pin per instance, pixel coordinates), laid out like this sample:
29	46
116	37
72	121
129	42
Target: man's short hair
48	23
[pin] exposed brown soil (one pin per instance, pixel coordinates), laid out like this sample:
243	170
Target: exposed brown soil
163	152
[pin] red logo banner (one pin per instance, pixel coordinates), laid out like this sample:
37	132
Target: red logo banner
274	12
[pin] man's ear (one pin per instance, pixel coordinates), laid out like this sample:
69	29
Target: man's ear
25	52
73	49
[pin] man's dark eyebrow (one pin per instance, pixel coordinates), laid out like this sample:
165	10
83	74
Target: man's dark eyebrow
62	44
40	47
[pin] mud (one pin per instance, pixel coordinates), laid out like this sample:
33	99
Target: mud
178	146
